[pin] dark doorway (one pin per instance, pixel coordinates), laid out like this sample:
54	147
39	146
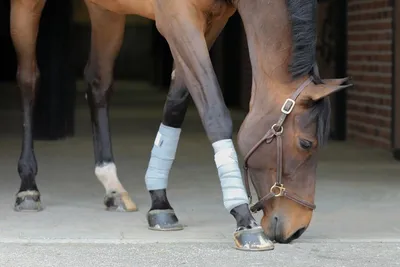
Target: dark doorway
54	110
332	57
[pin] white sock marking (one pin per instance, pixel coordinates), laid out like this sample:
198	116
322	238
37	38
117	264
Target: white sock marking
107	175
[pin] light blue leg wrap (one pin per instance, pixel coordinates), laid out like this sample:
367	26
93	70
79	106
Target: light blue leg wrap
162	157
233	191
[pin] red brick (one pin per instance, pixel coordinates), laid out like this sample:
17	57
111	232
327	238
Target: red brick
378	25
370	67
381	122
381	36
365	77
368	109
371	46
369	130
365	139
370	16
366	6
370	57
372	89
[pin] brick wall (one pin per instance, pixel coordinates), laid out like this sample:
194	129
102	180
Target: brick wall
370	66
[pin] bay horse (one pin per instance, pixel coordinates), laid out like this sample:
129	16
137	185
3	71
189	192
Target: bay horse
286	125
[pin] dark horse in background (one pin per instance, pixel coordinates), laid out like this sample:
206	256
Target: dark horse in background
280	137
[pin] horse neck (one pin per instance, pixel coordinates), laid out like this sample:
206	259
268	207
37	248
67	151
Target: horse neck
269	39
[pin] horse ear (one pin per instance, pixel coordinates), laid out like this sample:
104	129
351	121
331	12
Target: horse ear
335	81
330	86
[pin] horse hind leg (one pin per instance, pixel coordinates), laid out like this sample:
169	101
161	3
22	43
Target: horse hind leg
161	215
106	40
24	24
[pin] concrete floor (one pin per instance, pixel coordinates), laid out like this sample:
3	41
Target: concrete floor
356	223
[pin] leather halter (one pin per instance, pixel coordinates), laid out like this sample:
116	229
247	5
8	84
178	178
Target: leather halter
278	189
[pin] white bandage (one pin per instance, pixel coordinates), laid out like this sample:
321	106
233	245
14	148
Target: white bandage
162	157
226	161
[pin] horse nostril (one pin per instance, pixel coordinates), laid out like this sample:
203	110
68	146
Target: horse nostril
275	224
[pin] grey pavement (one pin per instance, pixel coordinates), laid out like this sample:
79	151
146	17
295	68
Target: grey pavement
356	223
199	254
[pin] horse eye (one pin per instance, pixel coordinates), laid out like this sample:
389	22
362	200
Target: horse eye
305	144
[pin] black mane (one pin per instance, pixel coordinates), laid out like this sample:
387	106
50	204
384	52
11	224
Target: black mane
302	14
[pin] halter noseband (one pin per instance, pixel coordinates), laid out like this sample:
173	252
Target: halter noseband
276	130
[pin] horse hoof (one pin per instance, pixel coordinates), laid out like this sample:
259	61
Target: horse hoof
163	220
252	240
28	201
119	202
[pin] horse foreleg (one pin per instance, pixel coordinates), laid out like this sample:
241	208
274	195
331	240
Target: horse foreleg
161	215
182	26
24	24
106	40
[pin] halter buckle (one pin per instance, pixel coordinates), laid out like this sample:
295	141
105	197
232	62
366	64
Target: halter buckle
277	189
291	103
277	129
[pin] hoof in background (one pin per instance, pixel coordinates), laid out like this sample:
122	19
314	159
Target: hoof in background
28	201
115	201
